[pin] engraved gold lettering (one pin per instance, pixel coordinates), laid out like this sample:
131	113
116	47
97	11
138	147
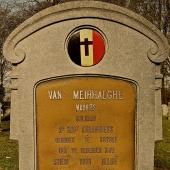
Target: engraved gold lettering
109	161
85	161
97	95
54	95
85	107
97	129
61	161
106	139
91	150
65	140
85	118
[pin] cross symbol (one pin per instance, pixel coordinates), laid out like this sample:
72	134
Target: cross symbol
86	43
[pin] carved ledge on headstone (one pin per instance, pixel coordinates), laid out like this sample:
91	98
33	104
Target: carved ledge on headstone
19	56
14	80
158	84
157	55
158	78
14	84
158	108
16	55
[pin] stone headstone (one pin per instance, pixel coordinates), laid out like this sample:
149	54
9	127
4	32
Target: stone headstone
165	110
86	88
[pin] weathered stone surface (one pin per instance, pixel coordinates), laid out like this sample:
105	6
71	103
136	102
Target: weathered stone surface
165	109
38	50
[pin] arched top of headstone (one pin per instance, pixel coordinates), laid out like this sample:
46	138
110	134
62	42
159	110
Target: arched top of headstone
90	9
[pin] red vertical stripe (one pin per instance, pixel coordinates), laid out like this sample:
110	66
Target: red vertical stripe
98	47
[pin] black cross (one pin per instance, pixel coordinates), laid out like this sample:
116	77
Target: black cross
86	43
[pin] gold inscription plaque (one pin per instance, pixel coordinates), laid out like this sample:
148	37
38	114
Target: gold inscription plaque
85	123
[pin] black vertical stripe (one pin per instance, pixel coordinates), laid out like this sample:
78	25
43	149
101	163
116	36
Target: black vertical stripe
74	48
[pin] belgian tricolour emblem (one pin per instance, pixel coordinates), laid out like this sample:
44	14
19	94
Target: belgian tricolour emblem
86	47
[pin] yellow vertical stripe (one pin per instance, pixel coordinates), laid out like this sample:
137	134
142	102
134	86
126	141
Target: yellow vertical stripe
86	60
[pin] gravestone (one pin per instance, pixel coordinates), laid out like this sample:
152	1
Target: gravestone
164	110
86	88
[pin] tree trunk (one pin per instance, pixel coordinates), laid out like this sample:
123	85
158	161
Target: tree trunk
160	14
127	3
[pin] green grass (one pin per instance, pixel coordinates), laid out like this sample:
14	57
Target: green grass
8	151
162	148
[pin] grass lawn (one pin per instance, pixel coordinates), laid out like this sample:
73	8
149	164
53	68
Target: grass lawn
9	150
162	149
